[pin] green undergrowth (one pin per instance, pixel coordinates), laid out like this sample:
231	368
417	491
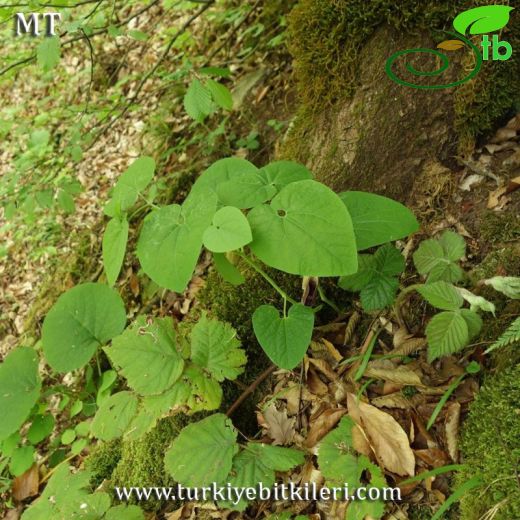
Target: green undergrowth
491	449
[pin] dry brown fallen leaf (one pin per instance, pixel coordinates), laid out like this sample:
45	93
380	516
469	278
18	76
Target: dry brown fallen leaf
388	440
387	371
322	425
495	201
26	485
452	430
279	427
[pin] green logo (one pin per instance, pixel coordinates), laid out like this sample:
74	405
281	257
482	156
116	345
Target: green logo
480	20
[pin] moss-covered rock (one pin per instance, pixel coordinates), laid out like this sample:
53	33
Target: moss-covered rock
491	449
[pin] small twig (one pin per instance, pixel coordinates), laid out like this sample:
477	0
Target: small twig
151	72
250	389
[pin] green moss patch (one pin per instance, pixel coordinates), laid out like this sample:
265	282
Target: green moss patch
491	449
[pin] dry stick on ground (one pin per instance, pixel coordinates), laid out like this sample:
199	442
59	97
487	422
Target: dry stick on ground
250	389
151	72
74	39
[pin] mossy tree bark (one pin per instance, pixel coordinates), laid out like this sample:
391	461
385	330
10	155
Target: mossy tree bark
358	129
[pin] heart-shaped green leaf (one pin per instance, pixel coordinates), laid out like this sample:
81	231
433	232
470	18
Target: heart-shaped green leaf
377	219
82	319
171	240
483	19
284	340
306	230
281	173
19	388
230	230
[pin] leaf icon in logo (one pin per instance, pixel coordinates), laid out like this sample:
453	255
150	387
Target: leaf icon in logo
450	45
484	19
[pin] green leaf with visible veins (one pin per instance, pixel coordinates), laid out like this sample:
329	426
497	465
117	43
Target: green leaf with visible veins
256	464
147	356
285	340
203	452
441	295
446	333
83	318
375	278
377	219
215	347
305	230
171	240
20	386
197	101
114	416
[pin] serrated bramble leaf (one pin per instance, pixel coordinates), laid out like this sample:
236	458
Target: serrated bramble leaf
215	348
428	255
153	407
453	244
508	285
83	318
441	295
203	452
171	240
114	416
356	282
114	248
229	230
197	101
20	385
377	219
337	459
476	302
220	94
446	333
473	321
285	340
206	393
305	230
389	260
379	292
147	356
257	463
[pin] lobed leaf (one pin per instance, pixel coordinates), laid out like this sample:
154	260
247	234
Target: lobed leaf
215	348
203	452
146	355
